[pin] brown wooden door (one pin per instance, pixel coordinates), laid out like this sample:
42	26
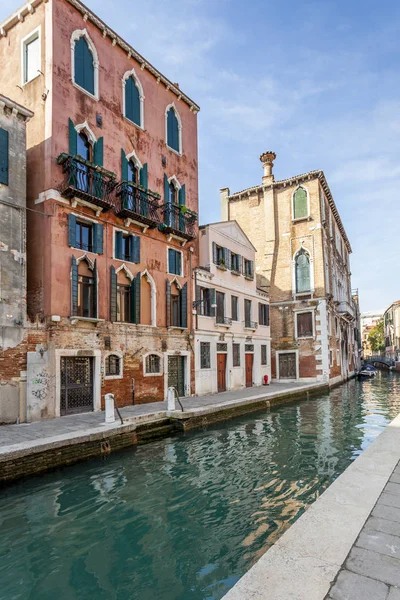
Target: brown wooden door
249	370
287	366
221	372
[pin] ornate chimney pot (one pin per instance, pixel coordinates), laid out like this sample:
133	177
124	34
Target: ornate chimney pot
267	158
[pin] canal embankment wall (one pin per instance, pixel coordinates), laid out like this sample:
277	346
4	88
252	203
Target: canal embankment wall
59	443
305	561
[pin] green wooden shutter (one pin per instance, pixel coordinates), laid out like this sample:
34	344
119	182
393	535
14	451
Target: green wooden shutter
300	204
239	263
4	156
98	152
118	245
79	62
178	258
88	69
171	261
132	101
124	166
74	287
168	304
228	258
166	189
113	294
184	306
144	177
182	195
73	138
135	251
212	301
267	323
98	238
251	268
214	251
95	290
135	298
197	294
71	230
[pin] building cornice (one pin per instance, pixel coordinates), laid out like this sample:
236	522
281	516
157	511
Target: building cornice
17	109
19	15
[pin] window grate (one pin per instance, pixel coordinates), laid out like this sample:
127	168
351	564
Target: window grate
222	347
249	348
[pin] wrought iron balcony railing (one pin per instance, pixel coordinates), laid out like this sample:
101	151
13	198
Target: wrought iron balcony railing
250	324
86	181
133	201
179	222
221	320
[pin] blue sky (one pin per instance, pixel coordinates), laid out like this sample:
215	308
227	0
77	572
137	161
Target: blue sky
317	82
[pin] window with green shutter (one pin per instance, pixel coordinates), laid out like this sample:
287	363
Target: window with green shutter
174	262
132	101
4	156
302	272
173	130
300	204
84	65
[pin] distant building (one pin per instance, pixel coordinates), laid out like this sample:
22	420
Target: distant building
391	321
113	199
303	251
368	321
13	119
232	333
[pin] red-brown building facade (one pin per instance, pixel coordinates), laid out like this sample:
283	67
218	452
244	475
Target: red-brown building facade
112	199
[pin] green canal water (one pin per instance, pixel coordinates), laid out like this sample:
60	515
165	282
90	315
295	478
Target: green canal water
185	517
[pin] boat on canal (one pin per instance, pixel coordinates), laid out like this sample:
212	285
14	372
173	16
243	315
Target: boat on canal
367	372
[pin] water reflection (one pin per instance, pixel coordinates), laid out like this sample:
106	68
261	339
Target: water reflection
183	518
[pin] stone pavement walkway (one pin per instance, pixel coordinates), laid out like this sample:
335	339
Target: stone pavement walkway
372	569
80	423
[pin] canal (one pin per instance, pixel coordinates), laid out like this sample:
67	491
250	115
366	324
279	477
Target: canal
185	517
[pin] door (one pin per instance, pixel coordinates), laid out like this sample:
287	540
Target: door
176	374
221	372
220	299
76	384
249	370
287	365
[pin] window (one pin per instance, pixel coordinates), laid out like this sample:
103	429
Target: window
123	303
172	194
205	299
174	262
248	268
331	358
113	365
3	156
305	324
220	255
220	298
173	130
235	308
302	272
263	314
300	203
247	313
222	347
235	262
132	101
176	304
205	355
31	57
249	347
86	291
84	236
133	172
84	66
153	364
127	247
264	354
236	355
336	327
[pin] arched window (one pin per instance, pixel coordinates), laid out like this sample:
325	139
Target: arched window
302	272
300	203
113	365
132	101
84	147
133	172
84	66
173	127
153	364
172	197
86	291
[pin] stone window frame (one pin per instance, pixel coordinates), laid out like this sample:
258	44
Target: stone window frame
126	76
307	217
24	42
76	35
160	356
181	274
311	309
178	117
208	368
121	363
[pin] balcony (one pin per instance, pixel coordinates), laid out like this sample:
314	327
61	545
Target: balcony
250	325
139	205
86	181
346	310
179	222
223	321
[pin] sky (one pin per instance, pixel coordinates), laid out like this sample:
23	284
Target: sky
317	82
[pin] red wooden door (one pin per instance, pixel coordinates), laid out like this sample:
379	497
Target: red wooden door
249	370
221	372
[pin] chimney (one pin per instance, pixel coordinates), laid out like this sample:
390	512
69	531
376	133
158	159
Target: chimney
176	85
224	196
267	158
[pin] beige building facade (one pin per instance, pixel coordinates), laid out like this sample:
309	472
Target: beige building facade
303	252
232	332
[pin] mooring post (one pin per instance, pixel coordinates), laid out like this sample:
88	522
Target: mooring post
110	415
171	398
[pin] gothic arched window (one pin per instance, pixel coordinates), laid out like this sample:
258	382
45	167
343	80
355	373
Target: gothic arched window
302	272
300	203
